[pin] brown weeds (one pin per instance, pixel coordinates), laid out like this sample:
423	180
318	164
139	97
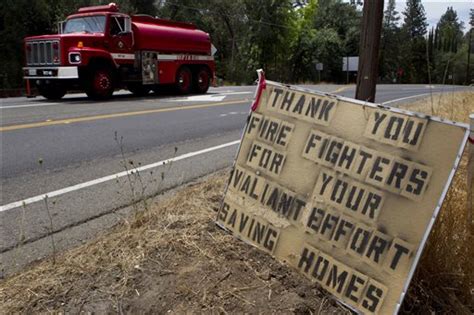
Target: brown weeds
108	263
171	258
444	278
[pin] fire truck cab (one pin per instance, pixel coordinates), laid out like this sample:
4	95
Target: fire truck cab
99	49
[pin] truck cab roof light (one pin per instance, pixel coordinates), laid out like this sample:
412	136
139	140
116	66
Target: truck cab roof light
111	7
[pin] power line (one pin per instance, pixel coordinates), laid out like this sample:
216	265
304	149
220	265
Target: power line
228	15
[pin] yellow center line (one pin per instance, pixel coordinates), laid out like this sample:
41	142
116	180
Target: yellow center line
341	89
115	115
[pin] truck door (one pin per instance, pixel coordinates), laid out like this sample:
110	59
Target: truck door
121	39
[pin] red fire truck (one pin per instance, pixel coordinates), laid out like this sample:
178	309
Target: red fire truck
99	49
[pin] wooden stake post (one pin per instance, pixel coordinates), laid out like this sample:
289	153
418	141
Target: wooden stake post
470	177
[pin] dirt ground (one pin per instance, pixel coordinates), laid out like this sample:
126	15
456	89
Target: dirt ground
170	258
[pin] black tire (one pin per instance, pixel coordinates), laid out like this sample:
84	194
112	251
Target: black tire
158	90
201	80
138	89
52	92
184	80
100	84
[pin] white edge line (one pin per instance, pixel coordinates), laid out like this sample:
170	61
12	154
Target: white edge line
174	99
111	177
234	93
405	98
31	105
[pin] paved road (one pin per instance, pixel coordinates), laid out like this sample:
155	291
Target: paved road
70	149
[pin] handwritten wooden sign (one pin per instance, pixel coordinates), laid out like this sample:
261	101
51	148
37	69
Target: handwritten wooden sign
343	191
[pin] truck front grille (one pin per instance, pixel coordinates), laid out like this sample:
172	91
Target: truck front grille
44	52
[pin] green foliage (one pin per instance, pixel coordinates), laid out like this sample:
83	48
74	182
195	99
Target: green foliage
285	37
450	49
413	47
20	17
434	58
449	31
415	19
390	44
326	31
269	40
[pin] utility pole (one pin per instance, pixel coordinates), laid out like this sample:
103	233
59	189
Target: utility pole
369	50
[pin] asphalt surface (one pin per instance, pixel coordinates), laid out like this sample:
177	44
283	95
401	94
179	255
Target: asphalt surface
49	146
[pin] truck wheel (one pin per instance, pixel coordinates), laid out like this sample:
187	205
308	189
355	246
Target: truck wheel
52	92
184	80
101	84
138	89
201	81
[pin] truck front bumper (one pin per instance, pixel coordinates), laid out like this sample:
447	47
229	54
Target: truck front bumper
50	73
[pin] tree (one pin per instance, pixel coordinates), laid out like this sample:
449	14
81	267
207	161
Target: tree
413	43
469	49
330	52
20	18
450	31
414	22
303	48
451	49
344	19
391	17
271	29
390	52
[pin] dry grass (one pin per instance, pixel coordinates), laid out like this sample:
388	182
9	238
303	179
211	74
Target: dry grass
444	281
171	257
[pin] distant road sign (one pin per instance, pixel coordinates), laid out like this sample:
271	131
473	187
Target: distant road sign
319	66
350	63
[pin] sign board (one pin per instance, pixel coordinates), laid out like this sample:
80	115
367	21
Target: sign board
350	63
345	192
319	66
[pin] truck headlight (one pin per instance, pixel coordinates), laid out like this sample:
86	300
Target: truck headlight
74	58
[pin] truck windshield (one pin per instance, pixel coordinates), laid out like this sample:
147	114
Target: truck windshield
87	24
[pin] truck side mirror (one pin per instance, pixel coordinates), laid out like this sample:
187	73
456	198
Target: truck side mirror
61	27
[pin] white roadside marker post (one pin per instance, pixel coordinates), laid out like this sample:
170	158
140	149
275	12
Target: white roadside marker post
470	189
